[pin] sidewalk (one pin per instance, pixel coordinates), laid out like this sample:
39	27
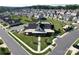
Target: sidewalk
39	44
50	46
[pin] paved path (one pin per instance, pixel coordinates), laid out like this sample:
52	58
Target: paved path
39	43
15	48
65	42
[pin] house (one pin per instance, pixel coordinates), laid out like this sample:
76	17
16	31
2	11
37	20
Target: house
39	28
9	21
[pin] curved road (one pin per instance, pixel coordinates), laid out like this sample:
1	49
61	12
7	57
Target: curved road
65	42
15	48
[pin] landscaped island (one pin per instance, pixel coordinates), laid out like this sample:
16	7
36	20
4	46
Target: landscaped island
4	50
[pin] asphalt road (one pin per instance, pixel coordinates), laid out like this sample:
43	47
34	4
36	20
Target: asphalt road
15	48
65	42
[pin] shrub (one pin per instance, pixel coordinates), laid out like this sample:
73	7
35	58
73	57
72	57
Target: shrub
1	42
49	41
5	50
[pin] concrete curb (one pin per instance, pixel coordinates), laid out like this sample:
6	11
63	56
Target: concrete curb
28	46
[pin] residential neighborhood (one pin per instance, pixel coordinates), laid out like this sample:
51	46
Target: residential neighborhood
39	31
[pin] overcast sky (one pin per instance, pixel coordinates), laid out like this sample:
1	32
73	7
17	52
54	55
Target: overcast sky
36	2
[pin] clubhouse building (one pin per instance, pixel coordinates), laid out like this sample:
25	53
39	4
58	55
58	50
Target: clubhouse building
39	28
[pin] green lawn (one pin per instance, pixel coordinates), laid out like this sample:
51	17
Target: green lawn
44	41
23	19
32	40
58	25
29	40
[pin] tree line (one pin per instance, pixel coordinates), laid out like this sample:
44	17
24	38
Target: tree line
3	9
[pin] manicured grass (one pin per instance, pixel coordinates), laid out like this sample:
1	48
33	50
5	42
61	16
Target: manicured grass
23	19
32	40
44	42
29	40
69	52
31	51
58	25
44	53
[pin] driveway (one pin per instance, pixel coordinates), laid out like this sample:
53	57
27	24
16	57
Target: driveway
15	48
65	42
